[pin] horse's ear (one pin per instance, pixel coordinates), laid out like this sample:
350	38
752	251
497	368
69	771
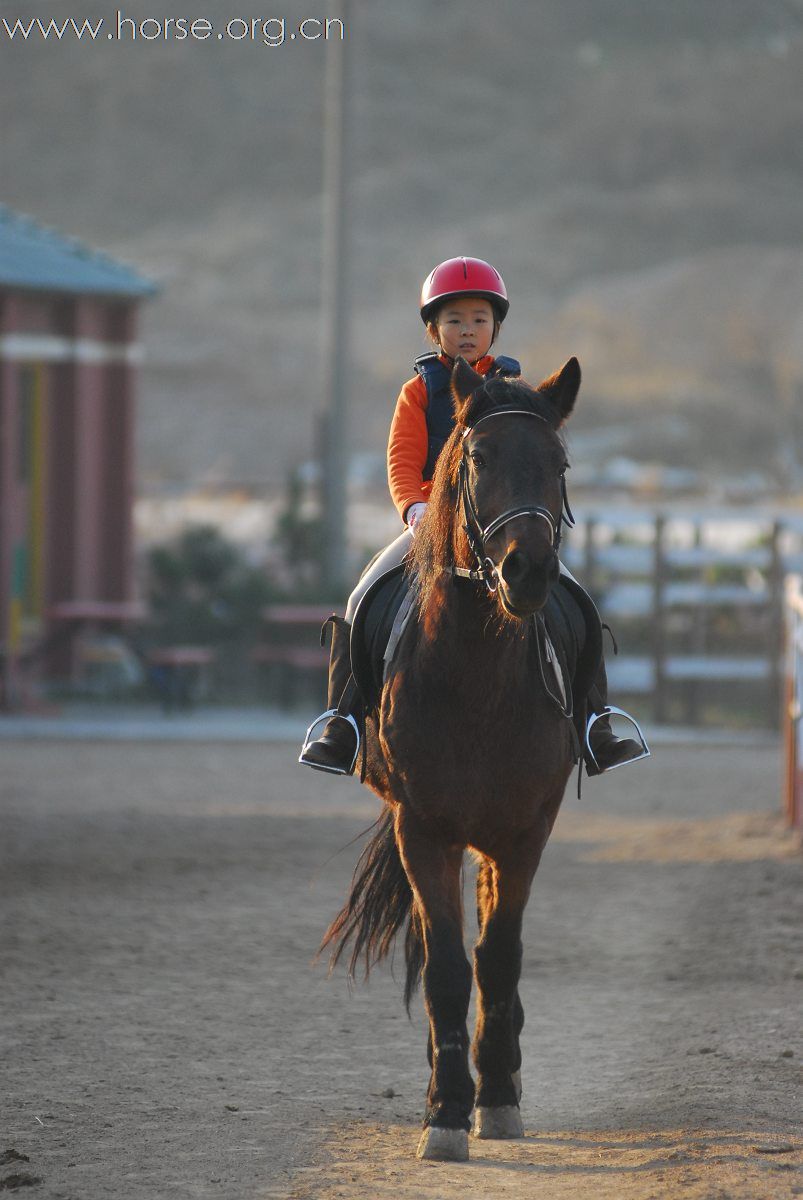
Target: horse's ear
561	389
464	381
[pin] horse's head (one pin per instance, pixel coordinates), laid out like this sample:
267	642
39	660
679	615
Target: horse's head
508	461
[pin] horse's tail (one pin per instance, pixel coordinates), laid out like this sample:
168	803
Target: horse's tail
379	901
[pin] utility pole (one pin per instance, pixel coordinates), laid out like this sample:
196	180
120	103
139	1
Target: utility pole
336	304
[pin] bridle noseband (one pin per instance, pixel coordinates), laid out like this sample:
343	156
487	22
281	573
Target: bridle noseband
478	534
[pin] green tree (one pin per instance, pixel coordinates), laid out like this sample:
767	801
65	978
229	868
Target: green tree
203	590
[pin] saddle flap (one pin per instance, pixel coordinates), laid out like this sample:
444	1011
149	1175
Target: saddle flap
575	630
375	631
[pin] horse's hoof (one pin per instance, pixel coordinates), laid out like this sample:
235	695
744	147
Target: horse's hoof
501	1122
443	1145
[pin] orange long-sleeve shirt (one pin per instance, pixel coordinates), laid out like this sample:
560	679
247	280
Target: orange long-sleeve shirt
408	443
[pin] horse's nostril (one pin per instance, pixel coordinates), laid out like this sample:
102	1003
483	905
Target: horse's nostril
515	566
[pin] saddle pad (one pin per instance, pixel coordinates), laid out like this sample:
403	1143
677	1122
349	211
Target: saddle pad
558	668
377	626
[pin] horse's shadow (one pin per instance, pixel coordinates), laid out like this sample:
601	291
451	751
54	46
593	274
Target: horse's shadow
673	1153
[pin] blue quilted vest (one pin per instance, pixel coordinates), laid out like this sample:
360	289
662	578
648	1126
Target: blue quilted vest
437	377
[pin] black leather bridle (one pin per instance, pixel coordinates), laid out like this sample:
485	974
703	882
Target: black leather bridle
478	534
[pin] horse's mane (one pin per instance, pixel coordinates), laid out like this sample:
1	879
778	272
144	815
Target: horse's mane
440	540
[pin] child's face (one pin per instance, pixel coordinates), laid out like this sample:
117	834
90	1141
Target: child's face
465	326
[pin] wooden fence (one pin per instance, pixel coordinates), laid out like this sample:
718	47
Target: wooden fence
696	600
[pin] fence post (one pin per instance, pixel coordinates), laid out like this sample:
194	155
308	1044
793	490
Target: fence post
658	625
590	557
776	630
791	714
698	637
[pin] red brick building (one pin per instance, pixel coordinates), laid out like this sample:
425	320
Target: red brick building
68	366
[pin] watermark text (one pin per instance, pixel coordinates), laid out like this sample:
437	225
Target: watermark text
267	31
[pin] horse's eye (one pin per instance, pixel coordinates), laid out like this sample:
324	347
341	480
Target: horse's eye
477	459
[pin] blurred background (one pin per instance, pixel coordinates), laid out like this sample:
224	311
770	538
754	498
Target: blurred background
633	170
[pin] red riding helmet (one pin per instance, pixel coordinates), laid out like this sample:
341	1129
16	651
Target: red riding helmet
466	277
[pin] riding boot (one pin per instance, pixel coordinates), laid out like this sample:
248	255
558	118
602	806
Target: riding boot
336	749
604	749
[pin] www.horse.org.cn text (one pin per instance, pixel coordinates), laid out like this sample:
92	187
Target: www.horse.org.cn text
269	31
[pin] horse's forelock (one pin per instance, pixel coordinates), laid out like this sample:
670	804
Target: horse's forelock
504	393
509	393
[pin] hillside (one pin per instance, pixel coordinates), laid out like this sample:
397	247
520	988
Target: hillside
635	171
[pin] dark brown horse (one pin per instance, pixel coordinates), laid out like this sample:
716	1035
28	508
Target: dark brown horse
468	749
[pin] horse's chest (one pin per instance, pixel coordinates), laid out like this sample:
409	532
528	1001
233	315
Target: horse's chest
463	742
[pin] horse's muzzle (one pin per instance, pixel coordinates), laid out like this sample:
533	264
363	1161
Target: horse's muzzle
525	582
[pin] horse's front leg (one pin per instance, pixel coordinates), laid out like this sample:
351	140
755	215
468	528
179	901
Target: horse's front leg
502	893
434	870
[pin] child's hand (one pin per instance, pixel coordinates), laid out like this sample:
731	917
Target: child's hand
414	514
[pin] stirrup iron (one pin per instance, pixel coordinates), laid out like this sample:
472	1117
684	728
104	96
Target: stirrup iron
331	712
608	711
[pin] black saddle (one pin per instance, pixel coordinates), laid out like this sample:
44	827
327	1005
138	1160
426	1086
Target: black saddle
570	618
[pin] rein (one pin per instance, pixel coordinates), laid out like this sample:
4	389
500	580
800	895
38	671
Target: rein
478	534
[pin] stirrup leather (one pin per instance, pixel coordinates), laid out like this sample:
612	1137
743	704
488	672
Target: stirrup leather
331	712
612	710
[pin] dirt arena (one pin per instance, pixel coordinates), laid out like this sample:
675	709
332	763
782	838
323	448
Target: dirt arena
164	1032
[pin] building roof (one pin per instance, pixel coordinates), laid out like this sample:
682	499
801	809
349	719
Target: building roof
34	257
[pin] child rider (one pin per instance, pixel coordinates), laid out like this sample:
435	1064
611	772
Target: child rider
463	304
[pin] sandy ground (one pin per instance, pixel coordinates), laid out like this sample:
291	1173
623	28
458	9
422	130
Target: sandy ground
164	1034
